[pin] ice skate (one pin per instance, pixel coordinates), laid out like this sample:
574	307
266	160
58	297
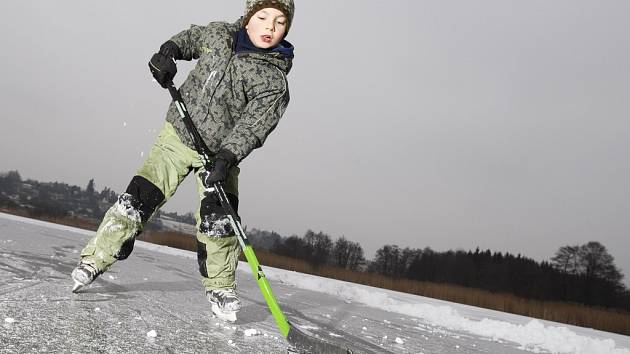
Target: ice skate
83	275
225	303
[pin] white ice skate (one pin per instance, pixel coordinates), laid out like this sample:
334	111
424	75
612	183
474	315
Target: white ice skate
225	303
83	275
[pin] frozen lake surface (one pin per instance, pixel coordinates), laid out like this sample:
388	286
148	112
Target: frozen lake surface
154	302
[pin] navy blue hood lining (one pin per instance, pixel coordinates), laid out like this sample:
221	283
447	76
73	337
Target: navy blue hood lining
244	44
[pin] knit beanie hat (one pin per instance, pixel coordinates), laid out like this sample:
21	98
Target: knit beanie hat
286	6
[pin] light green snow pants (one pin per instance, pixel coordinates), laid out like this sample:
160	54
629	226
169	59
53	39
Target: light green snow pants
166	167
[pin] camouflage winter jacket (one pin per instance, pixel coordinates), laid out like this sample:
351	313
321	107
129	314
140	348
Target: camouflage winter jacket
235	100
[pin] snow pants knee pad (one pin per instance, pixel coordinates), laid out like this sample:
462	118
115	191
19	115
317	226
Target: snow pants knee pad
115	237
217	246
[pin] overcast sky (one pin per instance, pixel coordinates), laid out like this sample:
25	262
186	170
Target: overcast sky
447	124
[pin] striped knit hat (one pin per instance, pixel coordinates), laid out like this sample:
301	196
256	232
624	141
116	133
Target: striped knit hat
286	6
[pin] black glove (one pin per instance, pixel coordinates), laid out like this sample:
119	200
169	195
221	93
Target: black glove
224	160
171	50
162	64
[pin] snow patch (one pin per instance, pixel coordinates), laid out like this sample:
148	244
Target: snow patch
9	320
399	340
252	332
152	333
306	327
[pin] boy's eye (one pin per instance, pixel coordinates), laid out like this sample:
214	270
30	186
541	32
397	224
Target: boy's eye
280	22
261	18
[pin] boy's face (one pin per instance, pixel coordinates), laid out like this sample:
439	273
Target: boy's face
267	27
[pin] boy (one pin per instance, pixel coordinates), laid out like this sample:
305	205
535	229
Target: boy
236	94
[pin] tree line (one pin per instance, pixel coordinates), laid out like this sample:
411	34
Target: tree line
583	274
317	248
55	199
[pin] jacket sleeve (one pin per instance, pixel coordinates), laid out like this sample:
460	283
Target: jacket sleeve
259	119
189	42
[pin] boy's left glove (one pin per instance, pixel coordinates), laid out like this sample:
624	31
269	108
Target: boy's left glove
224	160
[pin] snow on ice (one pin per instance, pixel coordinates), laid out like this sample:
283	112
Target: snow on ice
152	333
252	332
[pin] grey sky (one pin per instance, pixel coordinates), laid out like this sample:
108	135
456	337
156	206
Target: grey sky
448	124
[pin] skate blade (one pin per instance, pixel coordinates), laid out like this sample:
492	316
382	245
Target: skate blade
77	286
228	316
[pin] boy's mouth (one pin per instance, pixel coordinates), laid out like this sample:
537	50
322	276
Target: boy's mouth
266	38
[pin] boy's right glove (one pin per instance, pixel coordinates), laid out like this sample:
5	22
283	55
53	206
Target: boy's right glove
224	160
162	64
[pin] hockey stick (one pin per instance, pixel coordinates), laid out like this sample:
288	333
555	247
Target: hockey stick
300	340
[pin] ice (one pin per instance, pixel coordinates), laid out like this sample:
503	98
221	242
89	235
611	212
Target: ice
152	333
9	320
399	340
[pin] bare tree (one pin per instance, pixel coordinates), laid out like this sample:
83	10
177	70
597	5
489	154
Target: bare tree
321	246
567	259
347	254
386	260
341	252
598	263
355	256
